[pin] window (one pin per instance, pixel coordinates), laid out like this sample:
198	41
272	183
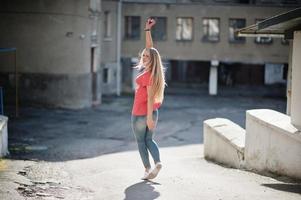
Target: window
262	40
159	32
132	27
105	75
235	24
184	28
211	29
107	24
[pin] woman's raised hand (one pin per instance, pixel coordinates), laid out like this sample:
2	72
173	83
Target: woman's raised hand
150	23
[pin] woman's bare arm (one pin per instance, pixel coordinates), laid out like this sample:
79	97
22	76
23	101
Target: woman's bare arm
150	99
148	36
150	103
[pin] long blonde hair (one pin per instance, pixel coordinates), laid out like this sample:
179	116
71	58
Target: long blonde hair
157	74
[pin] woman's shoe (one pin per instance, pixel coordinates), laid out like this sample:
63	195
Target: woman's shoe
153	174
145	175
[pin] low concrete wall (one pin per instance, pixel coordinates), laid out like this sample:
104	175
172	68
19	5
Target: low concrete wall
72	91
224	142
273	144
3	136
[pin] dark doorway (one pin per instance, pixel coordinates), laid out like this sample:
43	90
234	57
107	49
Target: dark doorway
231	74
189	73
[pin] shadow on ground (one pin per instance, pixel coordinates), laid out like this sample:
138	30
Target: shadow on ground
292	187
53	134
142	190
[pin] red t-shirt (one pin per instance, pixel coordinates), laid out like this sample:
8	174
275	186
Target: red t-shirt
140	102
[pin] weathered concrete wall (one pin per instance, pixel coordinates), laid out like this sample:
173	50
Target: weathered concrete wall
72	89
272	143
53	40
47	35
224	142
248	52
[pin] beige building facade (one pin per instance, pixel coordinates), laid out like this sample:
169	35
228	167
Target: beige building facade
71	53
220	60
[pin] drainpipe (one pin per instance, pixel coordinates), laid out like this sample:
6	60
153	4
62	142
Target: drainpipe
118	55
95	10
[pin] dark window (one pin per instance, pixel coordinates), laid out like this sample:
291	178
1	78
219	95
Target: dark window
184	28
263	40
159	32
285	71
211	29
105	77
107	24
132	27
235	24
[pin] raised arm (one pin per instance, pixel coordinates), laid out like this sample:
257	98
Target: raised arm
148	36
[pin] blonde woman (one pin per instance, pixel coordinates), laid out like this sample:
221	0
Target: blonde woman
149	96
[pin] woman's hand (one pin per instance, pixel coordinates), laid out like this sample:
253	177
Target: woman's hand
150	23
150	123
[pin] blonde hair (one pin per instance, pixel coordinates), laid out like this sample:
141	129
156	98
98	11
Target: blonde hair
157	74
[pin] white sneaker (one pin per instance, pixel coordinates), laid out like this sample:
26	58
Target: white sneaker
145	175
155	171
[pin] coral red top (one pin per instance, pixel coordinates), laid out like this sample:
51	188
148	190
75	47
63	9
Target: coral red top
140	102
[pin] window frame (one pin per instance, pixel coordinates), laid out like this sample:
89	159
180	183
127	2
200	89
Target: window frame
165	28
204	37
192	30
107	25
235	40
126	36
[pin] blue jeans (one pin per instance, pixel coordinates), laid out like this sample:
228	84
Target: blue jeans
144	138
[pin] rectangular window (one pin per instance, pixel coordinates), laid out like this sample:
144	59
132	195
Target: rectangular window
211	29
262	40
105	75
132	27
159	32
107	24
235	24
184	28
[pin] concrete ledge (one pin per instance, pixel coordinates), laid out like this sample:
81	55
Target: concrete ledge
3	136
273	144
224	142
71	91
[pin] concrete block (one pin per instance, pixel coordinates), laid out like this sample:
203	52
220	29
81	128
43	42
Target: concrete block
224	142
273	144
3	136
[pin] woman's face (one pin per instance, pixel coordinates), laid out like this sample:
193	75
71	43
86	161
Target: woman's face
146	58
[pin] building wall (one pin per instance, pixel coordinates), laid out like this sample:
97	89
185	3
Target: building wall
248	52
109	47
53	42
47	35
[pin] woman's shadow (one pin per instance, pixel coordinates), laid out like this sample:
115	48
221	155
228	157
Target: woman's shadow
142	190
